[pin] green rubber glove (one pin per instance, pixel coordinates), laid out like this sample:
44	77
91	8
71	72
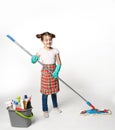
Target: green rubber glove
34	59
56	71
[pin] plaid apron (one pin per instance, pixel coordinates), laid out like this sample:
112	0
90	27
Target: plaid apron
49	85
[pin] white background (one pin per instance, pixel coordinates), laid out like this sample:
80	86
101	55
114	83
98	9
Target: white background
85	36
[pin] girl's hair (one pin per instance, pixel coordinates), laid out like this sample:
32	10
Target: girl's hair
45	34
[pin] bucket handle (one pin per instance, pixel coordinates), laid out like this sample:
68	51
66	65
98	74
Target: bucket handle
23	116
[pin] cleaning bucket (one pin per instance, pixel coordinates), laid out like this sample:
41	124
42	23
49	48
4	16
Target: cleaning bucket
20	118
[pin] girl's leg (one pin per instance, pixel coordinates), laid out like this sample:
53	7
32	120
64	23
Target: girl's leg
44	102
55	104
44	105
54	100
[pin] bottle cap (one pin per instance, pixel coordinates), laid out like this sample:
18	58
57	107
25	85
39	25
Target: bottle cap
25	96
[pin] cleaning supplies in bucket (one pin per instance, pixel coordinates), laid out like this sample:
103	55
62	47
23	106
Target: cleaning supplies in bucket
20	111
19	103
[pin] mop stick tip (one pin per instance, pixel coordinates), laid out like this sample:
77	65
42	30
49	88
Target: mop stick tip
12	39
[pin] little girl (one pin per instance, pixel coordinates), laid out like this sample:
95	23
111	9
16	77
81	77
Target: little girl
49	80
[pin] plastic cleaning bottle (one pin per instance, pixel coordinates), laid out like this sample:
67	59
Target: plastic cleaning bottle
29	103
25	101
9	105
15	104
18	99
22	103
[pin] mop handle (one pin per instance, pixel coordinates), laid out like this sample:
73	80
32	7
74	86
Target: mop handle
13	40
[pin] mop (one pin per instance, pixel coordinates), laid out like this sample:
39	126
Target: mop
92	111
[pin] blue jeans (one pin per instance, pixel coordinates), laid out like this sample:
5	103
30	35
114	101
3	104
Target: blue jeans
44	101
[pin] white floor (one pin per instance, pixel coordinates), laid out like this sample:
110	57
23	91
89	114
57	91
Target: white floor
69	119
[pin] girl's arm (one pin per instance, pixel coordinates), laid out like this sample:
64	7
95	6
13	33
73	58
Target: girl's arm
58	59
58	66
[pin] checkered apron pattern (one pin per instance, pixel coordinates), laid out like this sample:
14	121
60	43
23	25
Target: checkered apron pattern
49	85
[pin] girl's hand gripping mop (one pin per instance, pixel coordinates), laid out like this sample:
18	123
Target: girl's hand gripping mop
91	111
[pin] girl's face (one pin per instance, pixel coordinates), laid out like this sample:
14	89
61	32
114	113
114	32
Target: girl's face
47	40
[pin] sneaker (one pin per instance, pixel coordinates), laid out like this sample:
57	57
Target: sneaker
46	114
58	110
